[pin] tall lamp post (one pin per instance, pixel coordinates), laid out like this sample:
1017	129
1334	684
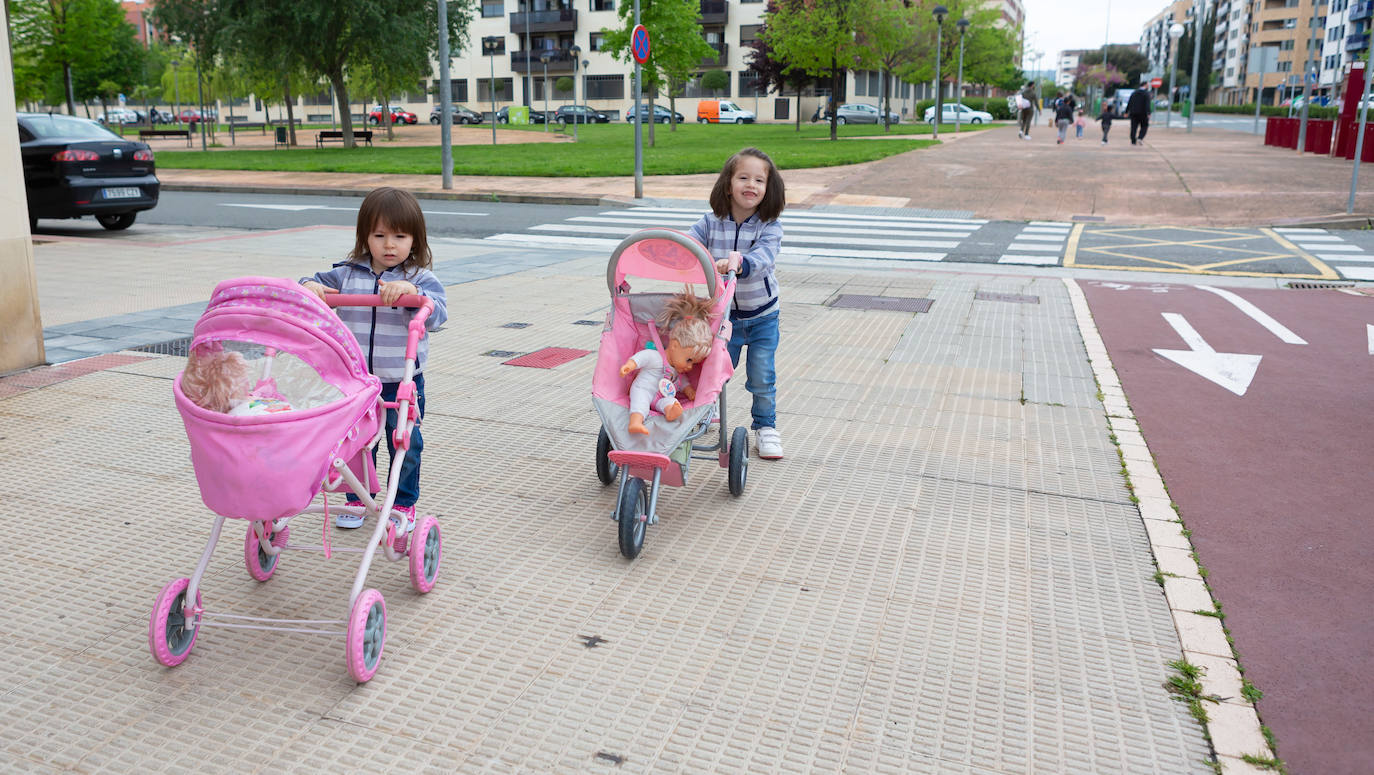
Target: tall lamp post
576	52
544	57
1175	32
939	12
529	73
962	24
489	47
445	100
1197	53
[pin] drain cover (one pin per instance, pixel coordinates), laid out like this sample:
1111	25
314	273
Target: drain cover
173	347
501	353
891	303
1012	297
1312	286
586	322
517	325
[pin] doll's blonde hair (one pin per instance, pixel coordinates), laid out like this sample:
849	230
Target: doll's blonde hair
686	318
214	378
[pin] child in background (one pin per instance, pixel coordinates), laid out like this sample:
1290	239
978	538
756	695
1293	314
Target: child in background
743	234
1108	113
391	258
1079	123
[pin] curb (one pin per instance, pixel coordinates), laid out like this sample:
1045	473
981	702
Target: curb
466	196
1233	725
1354	222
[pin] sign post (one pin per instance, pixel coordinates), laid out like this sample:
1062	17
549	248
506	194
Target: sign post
639	47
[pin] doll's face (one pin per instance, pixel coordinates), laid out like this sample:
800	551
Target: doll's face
680	357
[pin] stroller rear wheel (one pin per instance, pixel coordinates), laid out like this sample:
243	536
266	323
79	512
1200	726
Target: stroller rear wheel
426	548
260	564
739	460
366	635
605	469
633	516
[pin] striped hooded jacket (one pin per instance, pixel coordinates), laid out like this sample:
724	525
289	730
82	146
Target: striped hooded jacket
381	331
756	287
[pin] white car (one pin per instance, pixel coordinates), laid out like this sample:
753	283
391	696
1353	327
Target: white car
120	116
965	114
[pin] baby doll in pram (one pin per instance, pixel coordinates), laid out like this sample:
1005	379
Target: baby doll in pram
662	375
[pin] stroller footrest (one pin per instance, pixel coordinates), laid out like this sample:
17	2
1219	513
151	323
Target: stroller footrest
638	459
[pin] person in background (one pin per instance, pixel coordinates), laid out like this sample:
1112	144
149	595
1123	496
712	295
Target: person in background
1138	111
1108	113
1025	103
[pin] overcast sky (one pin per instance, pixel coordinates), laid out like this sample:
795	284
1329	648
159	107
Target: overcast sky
1056	25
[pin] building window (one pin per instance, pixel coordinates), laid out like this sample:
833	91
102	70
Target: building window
503	89
604	87
458	90
751	84
748	33
493	8
596	40
603	5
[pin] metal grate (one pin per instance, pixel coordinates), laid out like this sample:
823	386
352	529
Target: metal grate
501	353
174	347
1088	218
889	303
1302	286
1015	298
587	322
547	358
517	325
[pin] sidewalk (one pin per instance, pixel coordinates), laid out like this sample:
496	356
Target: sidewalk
1210	177
945	575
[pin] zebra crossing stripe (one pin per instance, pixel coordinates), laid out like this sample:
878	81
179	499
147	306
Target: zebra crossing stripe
1343	257
1033	260
792	229
1345	248
1034	246
1358	272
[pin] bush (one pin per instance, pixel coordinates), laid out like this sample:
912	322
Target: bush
997	106
1315	111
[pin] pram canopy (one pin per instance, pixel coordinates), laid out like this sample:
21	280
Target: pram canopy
657	254
273	465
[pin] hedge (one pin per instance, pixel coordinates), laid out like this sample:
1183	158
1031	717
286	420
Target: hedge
1315	111
997	106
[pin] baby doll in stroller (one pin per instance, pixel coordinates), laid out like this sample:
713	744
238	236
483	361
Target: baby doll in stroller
686	320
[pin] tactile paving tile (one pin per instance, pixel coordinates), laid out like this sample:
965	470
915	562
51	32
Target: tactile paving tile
937	579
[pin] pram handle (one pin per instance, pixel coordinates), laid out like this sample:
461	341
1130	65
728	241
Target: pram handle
416	329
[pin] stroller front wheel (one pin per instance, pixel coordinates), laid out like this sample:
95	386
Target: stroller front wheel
260	564
605	469
170	634
739	460
426	549
633	515
366	635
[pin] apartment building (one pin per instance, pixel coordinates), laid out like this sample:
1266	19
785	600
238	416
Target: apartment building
1301	34
1345	39
1066	65
1155	42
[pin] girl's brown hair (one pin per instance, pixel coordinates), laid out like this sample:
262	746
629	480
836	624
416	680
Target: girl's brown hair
401	212
774	199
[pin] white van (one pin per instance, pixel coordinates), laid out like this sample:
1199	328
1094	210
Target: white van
722	112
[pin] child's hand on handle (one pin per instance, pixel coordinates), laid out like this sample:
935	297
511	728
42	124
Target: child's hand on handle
318	289
391	290
731	264
629	367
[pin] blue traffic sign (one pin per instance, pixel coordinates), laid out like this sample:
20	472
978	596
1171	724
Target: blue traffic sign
639	43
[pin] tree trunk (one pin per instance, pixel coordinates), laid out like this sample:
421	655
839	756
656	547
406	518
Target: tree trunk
798	108
385	118
650	112
336	80
67	87
834	95
290	110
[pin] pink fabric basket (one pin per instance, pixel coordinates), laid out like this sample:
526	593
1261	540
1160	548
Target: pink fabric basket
271	466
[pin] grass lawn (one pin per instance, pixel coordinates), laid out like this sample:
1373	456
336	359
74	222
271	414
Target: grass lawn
602	150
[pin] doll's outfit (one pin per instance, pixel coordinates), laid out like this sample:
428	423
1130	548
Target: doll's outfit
655	384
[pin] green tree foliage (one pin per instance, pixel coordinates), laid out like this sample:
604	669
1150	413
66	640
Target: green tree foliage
676	46
1185	57
885	40
65	49
1127	60
776	73
715	80
815	37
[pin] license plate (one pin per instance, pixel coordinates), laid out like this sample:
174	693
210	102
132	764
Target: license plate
126	192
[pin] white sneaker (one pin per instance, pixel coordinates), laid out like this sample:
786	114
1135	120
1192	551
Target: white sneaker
769	443
347	520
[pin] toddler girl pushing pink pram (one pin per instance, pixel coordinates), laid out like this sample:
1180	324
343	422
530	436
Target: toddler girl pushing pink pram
313	415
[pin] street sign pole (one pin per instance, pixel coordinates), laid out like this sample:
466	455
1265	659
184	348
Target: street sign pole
445	100
1197	52
639	47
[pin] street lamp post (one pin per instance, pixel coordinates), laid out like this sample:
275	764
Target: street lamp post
962	24
529	74
1197	53
544	57
489	47
939	12
1175	32
445	101
576	52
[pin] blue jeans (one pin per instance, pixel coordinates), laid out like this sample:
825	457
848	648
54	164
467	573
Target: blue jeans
408	489
761	336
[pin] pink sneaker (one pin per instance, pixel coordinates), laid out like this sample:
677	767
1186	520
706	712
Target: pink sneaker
399	538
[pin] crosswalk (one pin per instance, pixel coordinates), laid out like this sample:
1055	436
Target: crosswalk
1350	260
1039	243
809	236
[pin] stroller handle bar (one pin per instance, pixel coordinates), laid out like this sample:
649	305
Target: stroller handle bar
708	266
416	329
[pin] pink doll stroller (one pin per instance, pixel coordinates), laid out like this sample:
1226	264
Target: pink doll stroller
268	468
663	455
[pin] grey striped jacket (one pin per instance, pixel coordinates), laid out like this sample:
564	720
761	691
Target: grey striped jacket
381	331
756	288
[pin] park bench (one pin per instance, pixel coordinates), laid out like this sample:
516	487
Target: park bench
235	126
144	134
330	135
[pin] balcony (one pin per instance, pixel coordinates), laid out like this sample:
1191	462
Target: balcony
560	61
563	20
714	11
1356	42
721	59
1360	10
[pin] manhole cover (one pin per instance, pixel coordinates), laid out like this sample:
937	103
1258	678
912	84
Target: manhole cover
547	358
517	325
501	353
1015	298
173	347
586	322
891	303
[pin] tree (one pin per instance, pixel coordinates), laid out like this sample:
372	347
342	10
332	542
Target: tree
1126	59
885	40
776	74
70	47
715	80
676	51
1185	57
815	37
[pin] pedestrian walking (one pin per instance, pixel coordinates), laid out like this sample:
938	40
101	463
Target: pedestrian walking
1025	104
1138	111
1108	113
1063	116
1079	123
743	235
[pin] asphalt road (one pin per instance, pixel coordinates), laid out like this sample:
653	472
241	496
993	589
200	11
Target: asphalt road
1255	404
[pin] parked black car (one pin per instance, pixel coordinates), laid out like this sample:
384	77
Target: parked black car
580	114
536	116
661	114
459	114
75	167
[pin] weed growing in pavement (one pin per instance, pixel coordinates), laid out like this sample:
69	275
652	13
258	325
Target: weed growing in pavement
1250	692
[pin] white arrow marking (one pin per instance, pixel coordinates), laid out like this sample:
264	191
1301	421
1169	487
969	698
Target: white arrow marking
1275	327
1370	329
298	208
1233	371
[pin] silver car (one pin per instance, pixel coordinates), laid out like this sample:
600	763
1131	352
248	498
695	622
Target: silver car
859	113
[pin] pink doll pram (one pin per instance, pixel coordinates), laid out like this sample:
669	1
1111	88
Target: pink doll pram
663	455
268	468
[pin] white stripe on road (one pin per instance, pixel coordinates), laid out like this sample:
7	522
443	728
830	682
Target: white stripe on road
1343	257
793	228
1369	328
1043	237
1024	246
1350	248
1315	238
1258	315
1358	272
628	230
1036	260
805	215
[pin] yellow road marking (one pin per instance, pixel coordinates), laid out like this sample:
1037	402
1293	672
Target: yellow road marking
1071	251
1071	256
1321	266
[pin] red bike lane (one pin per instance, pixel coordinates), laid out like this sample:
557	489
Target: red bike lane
1275	479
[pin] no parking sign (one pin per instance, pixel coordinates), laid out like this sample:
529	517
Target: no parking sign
639	43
